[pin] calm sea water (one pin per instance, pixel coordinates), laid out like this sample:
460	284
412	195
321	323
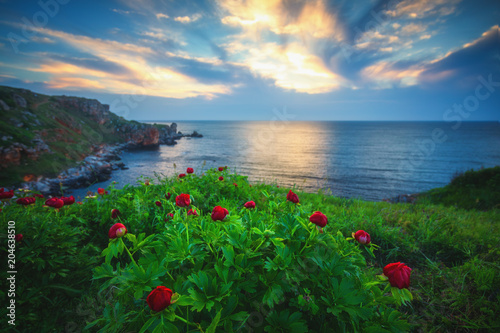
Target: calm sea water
369	160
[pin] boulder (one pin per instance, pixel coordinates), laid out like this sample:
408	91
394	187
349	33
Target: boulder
4	106
20	101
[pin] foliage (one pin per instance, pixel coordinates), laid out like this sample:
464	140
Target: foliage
266	269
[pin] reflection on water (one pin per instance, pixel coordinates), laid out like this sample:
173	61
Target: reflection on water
353	159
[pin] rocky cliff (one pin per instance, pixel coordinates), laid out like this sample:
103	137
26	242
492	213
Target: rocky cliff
43	135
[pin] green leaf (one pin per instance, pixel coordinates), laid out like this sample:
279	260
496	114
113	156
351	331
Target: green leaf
147	324
215	323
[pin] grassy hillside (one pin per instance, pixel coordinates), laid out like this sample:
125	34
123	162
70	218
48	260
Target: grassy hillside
68	126
266	269
469	190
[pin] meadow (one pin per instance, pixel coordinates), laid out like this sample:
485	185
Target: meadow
209	252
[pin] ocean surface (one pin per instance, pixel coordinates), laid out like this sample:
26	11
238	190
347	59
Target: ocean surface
368	160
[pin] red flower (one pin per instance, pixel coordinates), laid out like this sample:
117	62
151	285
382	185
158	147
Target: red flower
219	213
189	170
221	178
79	202
117	230
249	204
362	237
398	274
36	195
6	195
192	212
68	200
19	237
26	201
170	216
114	213
182	175
102	191
221	168
319	219
292	197
158	203
159	298
183	200
54	202
168	195
235	185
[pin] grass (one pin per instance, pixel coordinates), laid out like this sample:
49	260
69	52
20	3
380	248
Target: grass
453	253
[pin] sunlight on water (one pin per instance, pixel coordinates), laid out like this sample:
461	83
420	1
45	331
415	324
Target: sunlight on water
353	159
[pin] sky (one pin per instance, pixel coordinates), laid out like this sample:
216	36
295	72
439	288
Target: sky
409	60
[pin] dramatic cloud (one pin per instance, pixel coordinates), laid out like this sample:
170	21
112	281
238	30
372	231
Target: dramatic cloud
461	67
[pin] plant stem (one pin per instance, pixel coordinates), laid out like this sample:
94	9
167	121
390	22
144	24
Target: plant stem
130	254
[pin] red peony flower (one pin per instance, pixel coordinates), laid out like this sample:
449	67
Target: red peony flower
158	203
26	201
159	298
221	178
68	200
182	175
19	237
102	191
114	213
249	204
292	197
219	213
192	212
117	230
6	195
79	202
319	219
235	185
168	195
221	168
189	170
36	195
362	237
170	216
183	200
398	274
54	202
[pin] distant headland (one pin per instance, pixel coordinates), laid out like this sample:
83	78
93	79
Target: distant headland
53	141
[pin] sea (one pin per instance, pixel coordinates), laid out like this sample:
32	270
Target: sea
353	159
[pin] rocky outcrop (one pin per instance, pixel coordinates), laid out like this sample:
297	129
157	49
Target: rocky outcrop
94	168
13	154
20	101
403	198
90	107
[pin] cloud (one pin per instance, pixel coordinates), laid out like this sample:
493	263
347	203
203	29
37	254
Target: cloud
387	74
188	19
45	40
289	67
124	67
311	19
424	8
461	67
161	15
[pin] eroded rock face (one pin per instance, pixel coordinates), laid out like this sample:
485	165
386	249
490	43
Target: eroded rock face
20	101
12	154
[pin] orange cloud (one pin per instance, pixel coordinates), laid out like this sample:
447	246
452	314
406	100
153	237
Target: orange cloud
386	75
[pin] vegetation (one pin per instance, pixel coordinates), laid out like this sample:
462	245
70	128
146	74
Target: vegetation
266	269
469	190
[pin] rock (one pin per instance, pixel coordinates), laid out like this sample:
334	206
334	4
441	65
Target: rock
4	105
20	101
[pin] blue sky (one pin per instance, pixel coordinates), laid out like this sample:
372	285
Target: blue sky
240	60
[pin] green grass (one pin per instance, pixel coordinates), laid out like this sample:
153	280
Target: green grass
478	190
453	253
